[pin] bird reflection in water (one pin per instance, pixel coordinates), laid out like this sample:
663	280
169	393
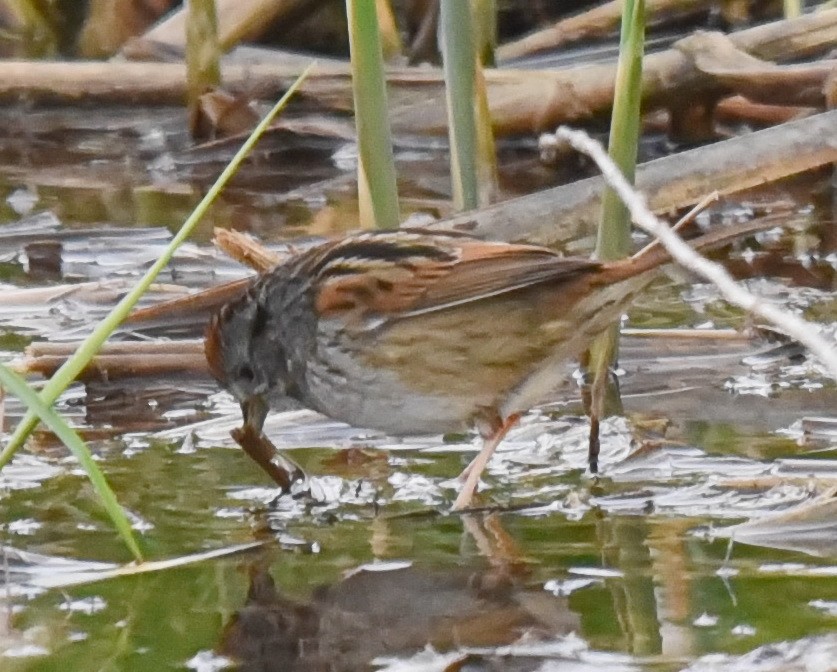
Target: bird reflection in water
391	609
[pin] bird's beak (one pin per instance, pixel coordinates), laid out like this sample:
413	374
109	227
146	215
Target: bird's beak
254	412
250	437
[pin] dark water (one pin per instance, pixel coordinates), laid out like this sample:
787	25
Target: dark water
632	571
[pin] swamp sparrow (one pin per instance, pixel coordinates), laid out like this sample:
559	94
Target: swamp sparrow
411	332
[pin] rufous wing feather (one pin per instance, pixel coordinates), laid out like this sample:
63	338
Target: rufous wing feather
470	270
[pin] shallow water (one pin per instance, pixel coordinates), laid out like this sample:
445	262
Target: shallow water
634	570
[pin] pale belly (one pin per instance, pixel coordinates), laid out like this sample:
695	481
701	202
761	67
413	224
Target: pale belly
433	384
380	400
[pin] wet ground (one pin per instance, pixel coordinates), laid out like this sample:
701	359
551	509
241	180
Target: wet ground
635	570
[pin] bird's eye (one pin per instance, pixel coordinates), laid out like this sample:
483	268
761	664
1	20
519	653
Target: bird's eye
246	373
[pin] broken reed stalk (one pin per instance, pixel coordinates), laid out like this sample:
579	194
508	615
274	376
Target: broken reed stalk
105	367
239	246
245	249
125	359
521	101
238	21
151	359
597	22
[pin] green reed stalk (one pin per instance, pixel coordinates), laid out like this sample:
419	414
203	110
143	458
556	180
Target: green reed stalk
68	372
486	149
33	26
472	156
614	236
793	8
203	53
459	65
391	45
484	13
377	188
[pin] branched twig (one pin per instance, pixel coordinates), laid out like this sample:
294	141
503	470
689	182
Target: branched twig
797	328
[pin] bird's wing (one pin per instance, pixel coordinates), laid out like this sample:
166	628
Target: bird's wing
402	274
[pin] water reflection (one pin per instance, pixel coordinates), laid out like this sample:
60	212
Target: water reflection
521	591
624	547
384	610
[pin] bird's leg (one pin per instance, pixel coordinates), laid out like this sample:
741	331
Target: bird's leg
474	470
487	422
467	470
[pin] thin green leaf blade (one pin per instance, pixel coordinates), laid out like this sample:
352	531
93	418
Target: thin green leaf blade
17	386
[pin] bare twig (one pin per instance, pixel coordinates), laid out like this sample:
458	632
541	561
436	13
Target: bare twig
705	202
799	329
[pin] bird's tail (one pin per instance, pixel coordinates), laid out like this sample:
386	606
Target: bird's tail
655	255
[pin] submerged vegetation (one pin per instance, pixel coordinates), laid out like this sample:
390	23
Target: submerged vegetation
725	431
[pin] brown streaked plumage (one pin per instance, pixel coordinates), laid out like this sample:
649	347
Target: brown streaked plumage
410	332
